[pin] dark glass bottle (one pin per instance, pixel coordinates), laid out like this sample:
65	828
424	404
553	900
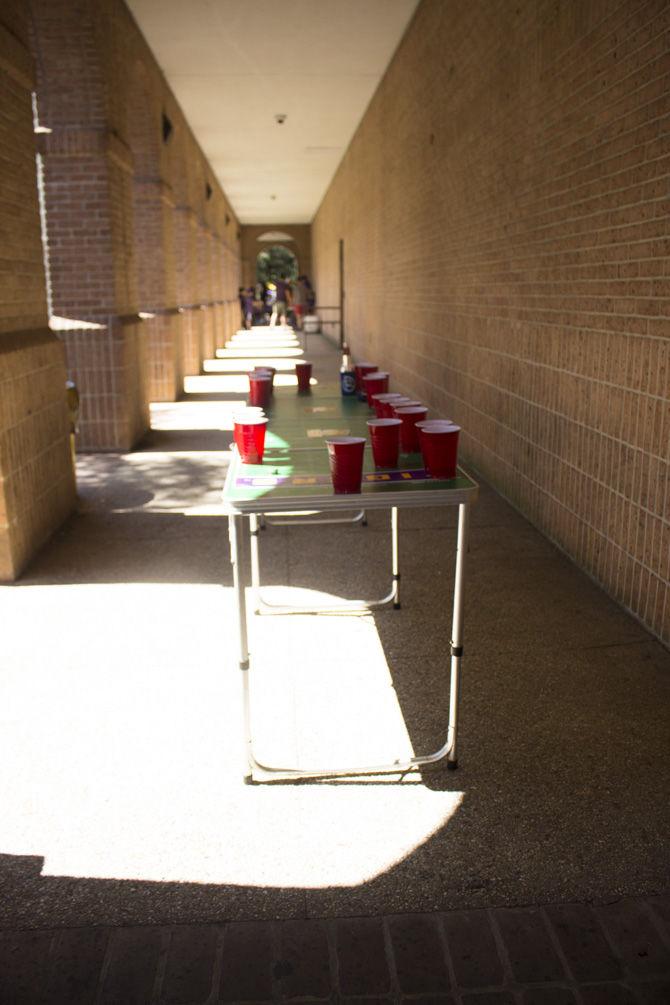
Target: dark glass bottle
347	374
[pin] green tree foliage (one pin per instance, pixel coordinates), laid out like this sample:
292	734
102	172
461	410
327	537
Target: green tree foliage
274	262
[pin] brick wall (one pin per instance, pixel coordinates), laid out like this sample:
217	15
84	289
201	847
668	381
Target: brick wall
504	208
153	238
36	477
22	289
185	237
232	266
115	187
88	172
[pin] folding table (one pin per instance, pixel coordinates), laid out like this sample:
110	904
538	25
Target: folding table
294	476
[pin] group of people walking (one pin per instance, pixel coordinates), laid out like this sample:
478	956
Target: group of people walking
277	302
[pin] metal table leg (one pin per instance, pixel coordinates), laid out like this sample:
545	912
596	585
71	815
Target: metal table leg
395	568
254	531
457	630
448	750
235	526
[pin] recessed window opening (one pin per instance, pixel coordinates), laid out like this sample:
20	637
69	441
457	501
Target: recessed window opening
208	191
167	128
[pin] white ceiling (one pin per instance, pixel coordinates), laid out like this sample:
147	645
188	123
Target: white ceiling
234	64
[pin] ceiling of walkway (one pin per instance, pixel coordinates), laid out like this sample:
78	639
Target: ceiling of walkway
234	65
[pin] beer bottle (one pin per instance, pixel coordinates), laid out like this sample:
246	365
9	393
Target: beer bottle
347	374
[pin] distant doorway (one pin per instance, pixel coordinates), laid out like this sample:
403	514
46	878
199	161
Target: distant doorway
274	262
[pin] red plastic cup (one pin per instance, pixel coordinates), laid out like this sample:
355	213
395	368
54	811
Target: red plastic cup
247	412
361	370
375	383
249	434
409	434
403	403
385	439
271	370
439	447
345	454
388	405
260	389
303	372
397	403
379	403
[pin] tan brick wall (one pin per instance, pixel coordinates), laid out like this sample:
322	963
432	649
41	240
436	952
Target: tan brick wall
185	237
22	289
233	279
36	477
504	208
107	360
205	290
115	192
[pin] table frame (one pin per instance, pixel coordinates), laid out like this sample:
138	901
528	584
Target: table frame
304	519
262	606
243	518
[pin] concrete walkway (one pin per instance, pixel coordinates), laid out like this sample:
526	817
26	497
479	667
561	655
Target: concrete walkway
121	786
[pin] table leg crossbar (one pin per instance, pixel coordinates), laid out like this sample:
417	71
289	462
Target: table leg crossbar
262	606
400	766
305	519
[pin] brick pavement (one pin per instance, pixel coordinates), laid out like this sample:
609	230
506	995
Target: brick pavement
560	954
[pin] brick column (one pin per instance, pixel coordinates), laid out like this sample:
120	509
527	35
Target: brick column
36	475
187	288
217	292
225	292
92	281
234	281
205	289
222	293
153	206
88	195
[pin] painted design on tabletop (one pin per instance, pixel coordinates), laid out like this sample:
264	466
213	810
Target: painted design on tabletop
314	434
272	481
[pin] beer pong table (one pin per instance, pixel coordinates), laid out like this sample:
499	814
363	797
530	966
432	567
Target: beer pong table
294	478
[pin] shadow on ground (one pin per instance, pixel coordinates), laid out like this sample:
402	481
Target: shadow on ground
123	770
564	764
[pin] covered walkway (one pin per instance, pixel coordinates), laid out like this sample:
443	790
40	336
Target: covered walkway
127	805
475	196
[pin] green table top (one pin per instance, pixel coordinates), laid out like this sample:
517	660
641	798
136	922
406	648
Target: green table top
304	420
295	471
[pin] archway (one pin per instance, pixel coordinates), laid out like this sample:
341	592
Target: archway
274	262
